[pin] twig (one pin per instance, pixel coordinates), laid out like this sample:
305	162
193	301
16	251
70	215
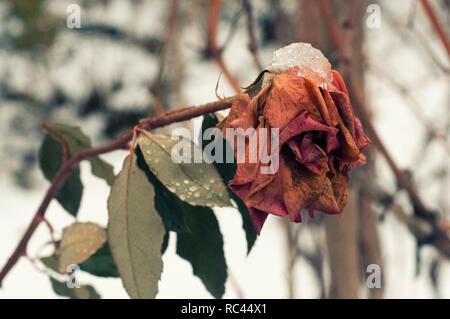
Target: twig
402	179
333	28
156	86
415	107
252	44
212	49
70	163
437	26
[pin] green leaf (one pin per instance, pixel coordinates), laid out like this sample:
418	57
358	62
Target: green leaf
50	161
194	183
101	263
51	262
203	248
77	141
84	292
79	242
227	172
168	205
135	231
165	242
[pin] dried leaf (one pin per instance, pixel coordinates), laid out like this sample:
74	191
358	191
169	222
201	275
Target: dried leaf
79	242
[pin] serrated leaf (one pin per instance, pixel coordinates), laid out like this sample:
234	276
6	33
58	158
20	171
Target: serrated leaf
227	172
135	231
77	141
203	248
169	207
50	161
84	292
194	183
187	216
79	242
101	263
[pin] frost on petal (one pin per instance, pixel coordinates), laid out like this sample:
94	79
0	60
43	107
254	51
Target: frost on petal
320	142
309	60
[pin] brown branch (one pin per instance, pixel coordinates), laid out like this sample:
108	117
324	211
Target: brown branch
155	88
403	180
414	105
212	49
70	163
425	232
333	29
252	44
440	240
436	24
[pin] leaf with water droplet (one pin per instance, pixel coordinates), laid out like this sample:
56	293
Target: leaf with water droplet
227	172
79	242
135	231
183	179
101	263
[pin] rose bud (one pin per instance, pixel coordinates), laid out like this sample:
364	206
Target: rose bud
319	142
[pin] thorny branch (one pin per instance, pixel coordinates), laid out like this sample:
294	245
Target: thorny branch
71	162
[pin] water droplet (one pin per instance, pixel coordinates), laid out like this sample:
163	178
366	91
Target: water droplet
186	181
173	190
197	194
193	188
182	197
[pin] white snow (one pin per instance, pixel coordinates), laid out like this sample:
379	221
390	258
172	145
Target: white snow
302	55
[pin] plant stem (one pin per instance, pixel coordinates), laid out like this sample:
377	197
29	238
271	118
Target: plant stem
437	26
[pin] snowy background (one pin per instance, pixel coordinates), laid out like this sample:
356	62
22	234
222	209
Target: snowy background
262	274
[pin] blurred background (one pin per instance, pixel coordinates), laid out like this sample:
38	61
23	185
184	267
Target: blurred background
137	58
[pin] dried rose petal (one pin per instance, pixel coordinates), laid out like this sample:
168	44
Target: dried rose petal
320	142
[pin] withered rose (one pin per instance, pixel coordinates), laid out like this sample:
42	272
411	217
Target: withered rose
320	142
